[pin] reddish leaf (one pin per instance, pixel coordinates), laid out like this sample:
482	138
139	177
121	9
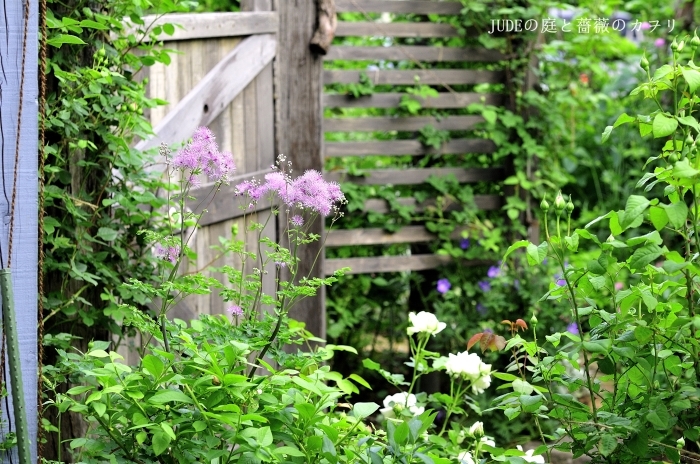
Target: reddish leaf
521	323
472	341
498	344
486	341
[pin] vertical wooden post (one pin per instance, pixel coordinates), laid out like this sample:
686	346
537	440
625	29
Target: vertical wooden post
24	248
298	119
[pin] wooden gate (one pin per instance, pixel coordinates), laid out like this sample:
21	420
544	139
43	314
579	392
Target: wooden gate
221	78
426	58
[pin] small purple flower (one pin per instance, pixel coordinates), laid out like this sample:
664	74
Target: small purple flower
481	309
296	220
280	264
171	253
659	42
494	271
561	282
572	328
443	286
645	26
202	154
235	310
464	243
484	286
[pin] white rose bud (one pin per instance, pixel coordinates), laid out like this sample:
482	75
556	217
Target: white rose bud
425	322
465	457
394	404
477	429
680	443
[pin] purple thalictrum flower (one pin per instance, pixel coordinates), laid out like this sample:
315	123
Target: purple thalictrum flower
235	310
202	154
296	220
660	42
443	286
481	309
484	286
494	271
561	282
464	243
171	253
572	328
645	26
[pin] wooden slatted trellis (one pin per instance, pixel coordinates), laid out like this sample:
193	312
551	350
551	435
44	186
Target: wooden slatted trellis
425	57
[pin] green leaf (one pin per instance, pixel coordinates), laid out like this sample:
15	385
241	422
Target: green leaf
658	217
663	125
107	234
99	408
168	396
659	417
606	134
161	441
643	334
677	213
264	436
153	365
607	444
198	426
683	168
168	430
644	129
98	354
513	247
61	39
643	256
624	118
536	254
635	207
90	24
692	77
362	410
169	28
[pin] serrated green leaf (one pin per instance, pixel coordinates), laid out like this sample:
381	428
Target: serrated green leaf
677	213
607	444
683	168
643	256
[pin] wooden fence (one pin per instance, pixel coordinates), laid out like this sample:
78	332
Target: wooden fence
424	56
251	78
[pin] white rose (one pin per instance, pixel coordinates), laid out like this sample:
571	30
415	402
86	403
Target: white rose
477	429
529	457
488	441
481	384
464	364
399	402
465	457
425	322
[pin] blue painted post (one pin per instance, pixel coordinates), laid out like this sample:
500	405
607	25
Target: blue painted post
24	264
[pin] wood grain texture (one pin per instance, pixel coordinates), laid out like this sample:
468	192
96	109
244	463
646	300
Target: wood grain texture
395	263
393	99
213	93
407	147
299	115
417	176
423	53
483	202
428	76
389	123
24	252
378	236
401	6
427	30
190	26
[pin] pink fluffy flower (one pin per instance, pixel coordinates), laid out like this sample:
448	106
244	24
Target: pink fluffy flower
235	310
202	154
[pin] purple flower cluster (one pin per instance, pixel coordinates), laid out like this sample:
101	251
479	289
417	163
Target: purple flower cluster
443	286
484	285
202	155
308	191
235	310
572	328
170	253
493	272
464	243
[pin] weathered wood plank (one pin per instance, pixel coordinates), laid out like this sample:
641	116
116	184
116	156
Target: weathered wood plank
402	6
378	236
424	53
266	118
298	130
417	175
394	263
427	76
215	91
483	202
393	99
224	204
207	25
427	30
451	123
407	147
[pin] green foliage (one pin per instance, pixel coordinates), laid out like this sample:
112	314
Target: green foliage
637	401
